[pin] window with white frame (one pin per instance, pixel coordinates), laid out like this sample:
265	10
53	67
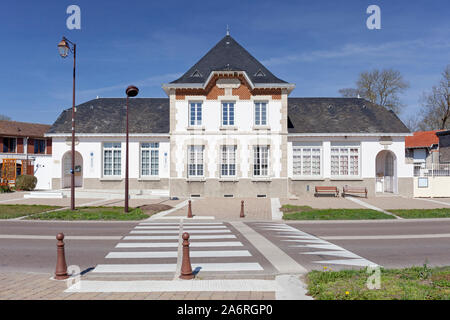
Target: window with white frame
195	163
150	159
195	114
228	113
307	160
228	164
112	158
260	113
260	161
345	161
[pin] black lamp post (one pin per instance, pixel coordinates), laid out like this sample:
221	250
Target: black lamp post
64	49
131	91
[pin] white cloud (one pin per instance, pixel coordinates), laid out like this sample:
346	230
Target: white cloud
388	49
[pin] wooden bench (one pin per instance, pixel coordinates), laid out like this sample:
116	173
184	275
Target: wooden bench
327	190
354	190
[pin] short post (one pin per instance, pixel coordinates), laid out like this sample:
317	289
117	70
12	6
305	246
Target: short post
61	266
242	209
189	209
186	268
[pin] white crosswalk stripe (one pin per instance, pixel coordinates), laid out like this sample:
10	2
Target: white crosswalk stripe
175	244
173	254
176	231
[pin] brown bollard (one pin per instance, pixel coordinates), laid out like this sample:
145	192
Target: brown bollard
61	266
242	209
189	209
186	268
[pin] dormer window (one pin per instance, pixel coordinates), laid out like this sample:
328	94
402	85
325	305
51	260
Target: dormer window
196	74
259	74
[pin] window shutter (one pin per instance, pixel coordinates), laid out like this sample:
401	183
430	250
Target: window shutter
30	145
19	145
1	144
49	146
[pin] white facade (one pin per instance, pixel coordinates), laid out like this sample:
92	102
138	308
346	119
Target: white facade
90	156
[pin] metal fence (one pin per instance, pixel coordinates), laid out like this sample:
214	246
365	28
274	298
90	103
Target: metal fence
432	170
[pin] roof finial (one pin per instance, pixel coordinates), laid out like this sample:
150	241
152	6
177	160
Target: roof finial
228	30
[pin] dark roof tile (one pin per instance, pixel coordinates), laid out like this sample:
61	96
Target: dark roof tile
228	55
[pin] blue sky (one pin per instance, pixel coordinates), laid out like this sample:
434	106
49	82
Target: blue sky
320	46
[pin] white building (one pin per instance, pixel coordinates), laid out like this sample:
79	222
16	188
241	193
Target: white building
229	129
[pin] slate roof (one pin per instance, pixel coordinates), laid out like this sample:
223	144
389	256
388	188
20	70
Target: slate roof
228	55
341	115
108	115
22	129
305	115
424	139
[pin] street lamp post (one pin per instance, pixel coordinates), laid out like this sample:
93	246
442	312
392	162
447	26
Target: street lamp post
64	49
131	91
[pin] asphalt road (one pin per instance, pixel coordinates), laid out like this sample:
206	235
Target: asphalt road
39	255
397	243
393	244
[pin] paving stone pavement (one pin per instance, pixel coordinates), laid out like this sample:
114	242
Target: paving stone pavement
32	286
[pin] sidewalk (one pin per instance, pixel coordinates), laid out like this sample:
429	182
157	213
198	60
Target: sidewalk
31	286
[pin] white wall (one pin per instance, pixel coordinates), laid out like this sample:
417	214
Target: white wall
212	135
212	112
369	148
90	149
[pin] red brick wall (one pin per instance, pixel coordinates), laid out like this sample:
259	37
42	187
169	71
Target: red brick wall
212	91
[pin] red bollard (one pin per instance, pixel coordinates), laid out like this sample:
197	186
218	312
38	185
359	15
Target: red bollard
189	209
242	209
61	266
186	268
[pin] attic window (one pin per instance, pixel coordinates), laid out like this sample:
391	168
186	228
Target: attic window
259	74
196	74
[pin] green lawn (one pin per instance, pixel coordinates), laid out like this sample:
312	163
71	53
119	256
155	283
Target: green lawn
92	213
9	211
416	283
422	213
291	212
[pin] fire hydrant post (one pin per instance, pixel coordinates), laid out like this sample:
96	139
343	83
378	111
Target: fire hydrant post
61	266
186	268
242	209
189	209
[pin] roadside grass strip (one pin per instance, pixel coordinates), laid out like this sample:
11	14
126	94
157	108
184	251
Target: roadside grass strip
11	211
422	213
92	213
291	212
415	283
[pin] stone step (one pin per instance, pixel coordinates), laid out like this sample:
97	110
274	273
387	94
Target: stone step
44	195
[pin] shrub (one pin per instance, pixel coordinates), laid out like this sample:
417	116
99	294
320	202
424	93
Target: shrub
26	182
4	189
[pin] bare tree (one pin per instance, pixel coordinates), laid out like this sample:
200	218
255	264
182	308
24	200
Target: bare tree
3	117
435	110
380	87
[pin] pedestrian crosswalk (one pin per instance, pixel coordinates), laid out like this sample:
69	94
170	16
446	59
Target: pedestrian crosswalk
156	248
310	245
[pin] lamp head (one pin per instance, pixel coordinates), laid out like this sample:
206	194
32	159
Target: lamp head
132	91
63	48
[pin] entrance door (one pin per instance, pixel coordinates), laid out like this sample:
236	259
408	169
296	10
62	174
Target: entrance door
67	166
389	173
